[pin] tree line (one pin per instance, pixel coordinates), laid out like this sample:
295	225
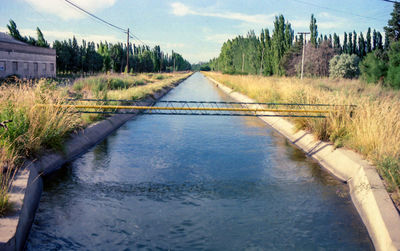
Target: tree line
279	52
90	57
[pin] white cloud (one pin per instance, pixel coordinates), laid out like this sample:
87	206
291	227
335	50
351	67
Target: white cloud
66	11
219	38
179	9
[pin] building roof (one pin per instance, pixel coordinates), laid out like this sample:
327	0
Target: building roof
8	43
4	37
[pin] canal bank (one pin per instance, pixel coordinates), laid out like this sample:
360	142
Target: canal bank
195	182
27	186
366	188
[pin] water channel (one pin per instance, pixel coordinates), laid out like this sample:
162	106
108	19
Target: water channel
195	183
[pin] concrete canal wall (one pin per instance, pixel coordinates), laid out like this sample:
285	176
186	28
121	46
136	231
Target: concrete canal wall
367	190
27	187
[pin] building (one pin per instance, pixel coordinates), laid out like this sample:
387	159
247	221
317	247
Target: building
24	60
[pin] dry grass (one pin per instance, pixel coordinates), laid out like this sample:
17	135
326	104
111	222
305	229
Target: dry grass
34	129
372	129
139	92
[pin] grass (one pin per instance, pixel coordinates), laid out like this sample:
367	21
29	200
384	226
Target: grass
372	128
35	129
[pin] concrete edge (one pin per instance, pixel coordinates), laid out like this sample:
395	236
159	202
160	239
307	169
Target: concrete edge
367	191
27	186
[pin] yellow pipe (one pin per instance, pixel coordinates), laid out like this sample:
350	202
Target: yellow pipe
183	108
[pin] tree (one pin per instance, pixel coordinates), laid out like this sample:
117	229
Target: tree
344	66
350	45
393	27
336	43
14	32
355	49
313	30
345	46
373	68
379	41
374	40
40	40
369	46
393	74
361	46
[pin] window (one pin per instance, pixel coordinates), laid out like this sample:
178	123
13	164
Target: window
35	67
52	67
44	68
14	67
26	67
2	65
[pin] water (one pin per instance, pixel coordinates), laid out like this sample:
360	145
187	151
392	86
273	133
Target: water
195	183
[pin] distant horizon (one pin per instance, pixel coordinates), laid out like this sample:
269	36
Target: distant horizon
194	30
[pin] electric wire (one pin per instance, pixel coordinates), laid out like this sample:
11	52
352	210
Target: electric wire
94	16
338	10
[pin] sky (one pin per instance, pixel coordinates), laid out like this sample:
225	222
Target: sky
194	28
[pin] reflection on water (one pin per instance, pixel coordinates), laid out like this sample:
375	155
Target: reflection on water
188	183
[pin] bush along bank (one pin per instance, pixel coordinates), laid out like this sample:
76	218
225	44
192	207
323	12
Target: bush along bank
367	191
31	129
27	187
372	128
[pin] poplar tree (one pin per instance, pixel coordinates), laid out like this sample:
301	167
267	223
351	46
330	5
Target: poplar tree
336	42
387	42
14	32
379	41
350	45
374	40
369	47
355	51
393	27
361	46
40	40
313	30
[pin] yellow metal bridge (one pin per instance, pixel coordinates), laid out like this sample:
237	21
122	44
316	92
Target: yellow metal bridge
208	108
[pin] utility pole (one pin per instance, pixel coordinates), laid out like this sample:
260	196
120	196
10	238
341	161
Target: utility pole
304	46
262	60
127	53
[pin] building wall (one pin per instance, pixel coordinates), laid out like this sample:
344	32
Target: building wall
26	61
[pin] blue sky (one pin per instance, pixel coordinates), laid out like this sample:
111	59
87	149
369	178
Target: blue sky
194	28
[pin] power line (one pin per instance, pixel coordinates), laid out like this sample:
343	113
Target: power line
390	1
94	16
104	21
337	10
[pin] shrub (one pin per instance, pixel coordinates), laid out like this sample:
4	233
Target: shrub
393	74
344	66
373	68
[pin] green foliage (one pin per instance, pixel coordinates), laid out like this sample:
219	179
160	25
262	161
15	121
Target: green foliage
205	68
390	169
344	66
393	74
40	39
256	55
393	28
14	32
313	30
373	68
74	58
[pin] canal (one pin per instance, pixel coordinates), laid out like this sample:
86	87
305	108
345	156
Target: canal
195	183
